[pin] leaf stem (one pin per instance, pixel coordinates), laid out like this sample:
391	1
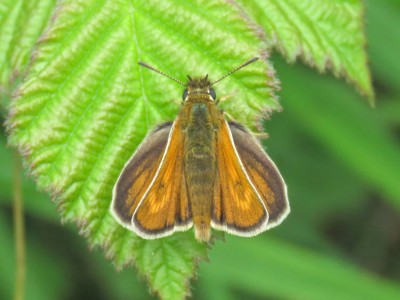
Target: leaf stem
18	211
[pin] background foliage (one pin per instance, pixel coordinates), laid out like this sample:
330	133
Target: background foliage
340	159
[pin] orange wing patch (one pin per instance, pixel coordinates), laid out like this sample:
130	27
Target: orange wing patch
237	207
165	205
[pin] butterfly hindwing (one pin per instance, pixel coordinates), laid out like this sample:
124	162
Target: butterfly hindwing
263	174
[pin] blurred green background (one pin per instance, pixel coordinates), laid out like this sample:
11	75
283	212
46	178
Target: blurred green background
341	161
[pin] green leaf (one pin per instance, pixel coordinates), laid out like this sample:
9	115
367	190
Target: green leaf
21	23
285	271
325	34
348	129
86	105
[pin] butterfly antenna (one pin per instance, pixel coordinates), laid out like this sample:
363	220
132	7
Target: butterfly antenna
236	69
162	73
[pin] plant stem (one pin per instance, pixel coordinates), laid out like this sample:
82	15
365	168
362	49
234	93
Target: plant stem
19	230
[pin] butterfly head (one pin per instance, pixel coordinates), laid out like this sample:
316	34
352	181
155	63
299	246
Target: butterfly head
199	89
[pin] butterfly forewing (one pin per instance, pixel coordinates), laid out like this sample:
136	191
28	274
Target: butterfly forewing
164	207
138	173
237	207
263	174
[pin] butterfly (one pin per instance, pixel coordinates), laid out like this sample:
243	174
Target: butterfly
199	171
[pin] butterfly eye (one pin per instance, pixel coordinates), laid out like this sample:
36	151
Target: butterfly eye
185	93
212	94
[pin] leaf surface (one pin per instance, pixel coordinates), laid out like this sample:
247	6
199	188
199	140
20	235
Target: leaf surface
325	34
21	23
